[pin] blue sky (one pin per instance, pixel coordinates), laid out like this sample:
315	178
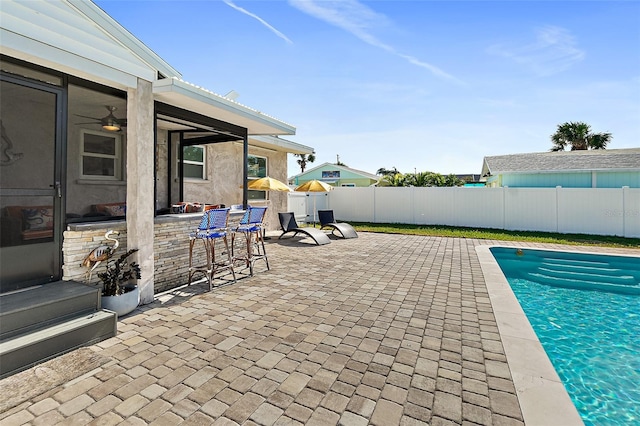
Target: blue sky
416	85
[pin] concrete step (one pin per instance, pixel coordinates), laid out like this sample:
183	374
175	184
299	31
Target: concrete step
35	307
26	350
41	322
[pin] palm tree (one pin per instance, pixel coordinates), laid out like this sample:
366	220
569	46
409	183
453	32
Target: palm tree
304	159
434	179
384	171
453	180
397	179
578	135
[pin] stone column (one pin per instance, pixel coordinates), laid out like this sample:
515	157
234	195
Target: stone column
140	182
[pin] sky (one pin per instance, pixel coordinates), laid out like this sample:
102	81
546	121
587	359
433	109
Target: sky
416	85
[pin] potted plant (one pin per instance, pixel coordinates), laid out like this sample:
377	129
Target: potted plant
119	289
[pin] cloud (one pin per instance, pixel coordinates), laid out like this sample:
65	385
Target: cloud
259	19
359	20
553	51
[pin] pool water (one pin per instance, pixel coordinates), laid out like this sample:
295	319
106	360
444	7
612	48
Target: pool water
585	310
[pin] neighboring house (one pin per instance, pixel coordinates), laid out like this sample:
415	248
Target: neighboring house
96	126
335	175
471	180
610	168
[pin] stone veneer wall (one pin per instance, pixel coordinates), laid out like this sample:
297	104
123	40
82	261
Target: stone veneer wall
79	242
170	248
171	251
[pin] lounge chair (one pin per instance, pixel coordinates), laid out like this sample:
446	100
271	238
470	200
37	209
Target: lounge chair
289	224
327	221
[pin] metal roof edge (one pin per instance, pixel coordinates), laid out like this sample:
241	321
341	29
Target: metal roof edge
201	94
289	146
531	172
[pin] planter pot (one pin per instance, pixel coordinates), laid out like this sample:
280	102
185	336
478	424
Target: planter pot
123	303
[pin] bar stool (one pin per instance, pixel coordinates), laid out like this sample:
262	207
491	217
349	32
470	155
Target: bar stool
212	229
251	226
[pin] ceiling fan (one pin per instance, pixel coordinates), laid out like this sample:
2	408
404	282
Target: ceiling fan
110	122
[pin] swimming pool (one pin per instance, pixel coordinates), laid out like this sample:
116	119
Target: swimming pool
585	310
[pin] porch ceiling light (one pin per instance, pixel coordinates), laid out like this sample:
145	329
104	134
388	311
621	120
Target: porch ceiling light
111	124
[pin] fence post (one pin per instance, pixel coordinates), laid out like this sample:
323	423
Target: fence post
374	204
558	188
504	206
625	194
413	205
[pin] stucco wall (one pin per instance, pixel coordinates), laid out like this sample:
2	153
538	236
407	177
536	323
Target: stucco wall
82	193
224	179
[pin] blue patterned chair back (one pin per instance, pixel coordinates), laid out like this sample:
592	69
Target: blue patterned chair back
218	218
252	219
245	217
204	222
213	223
256	215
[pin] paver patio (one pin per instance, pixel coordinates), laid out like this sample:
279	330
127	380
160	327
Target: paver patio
383	330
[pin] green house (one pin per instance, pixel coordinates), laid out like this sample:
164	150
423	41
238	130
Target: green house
335	175
610	168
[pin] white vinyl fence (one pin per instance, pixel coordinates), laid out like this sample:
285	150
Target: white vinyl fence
598	211
302	205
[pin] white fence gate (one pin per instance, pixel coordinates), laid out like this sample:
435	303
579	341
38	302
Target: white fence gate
598	211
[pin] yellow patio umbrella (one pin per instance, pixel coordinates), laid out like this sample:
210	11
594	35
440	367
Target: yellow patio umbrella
314	186
267	184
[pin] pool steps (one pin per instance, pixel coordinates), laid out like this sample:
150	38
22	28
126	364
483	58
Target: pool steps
585	285
589	276
580	274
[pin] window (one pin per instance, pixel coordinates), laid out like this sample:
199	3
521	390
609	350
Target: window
101	156
331	174
194	162
257	168
350	185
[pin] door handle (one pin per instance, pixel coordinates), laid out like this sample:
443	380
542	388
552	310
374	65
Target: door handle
58	188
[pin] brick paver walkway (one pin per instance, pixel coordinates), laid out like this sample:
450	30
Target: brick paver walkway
382	330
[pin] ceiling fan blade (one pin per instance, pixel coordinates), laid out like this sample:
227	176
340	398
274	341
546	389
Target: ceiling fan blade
84	116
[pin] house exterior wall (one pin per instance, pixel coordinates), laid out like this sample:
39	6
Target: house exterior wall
93	191
547	180
346	176
587	179
224	171
618	179
355	181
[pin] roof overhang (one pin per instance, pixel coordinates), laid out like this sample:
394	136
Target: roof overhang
279	144
181	94
486	170
77	38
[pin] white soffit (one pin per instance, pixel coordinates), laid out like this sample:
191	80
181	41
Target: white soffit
57	35
178	93
279	144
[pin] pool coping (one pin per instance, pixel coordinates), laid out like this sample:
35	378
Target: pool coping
542	396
